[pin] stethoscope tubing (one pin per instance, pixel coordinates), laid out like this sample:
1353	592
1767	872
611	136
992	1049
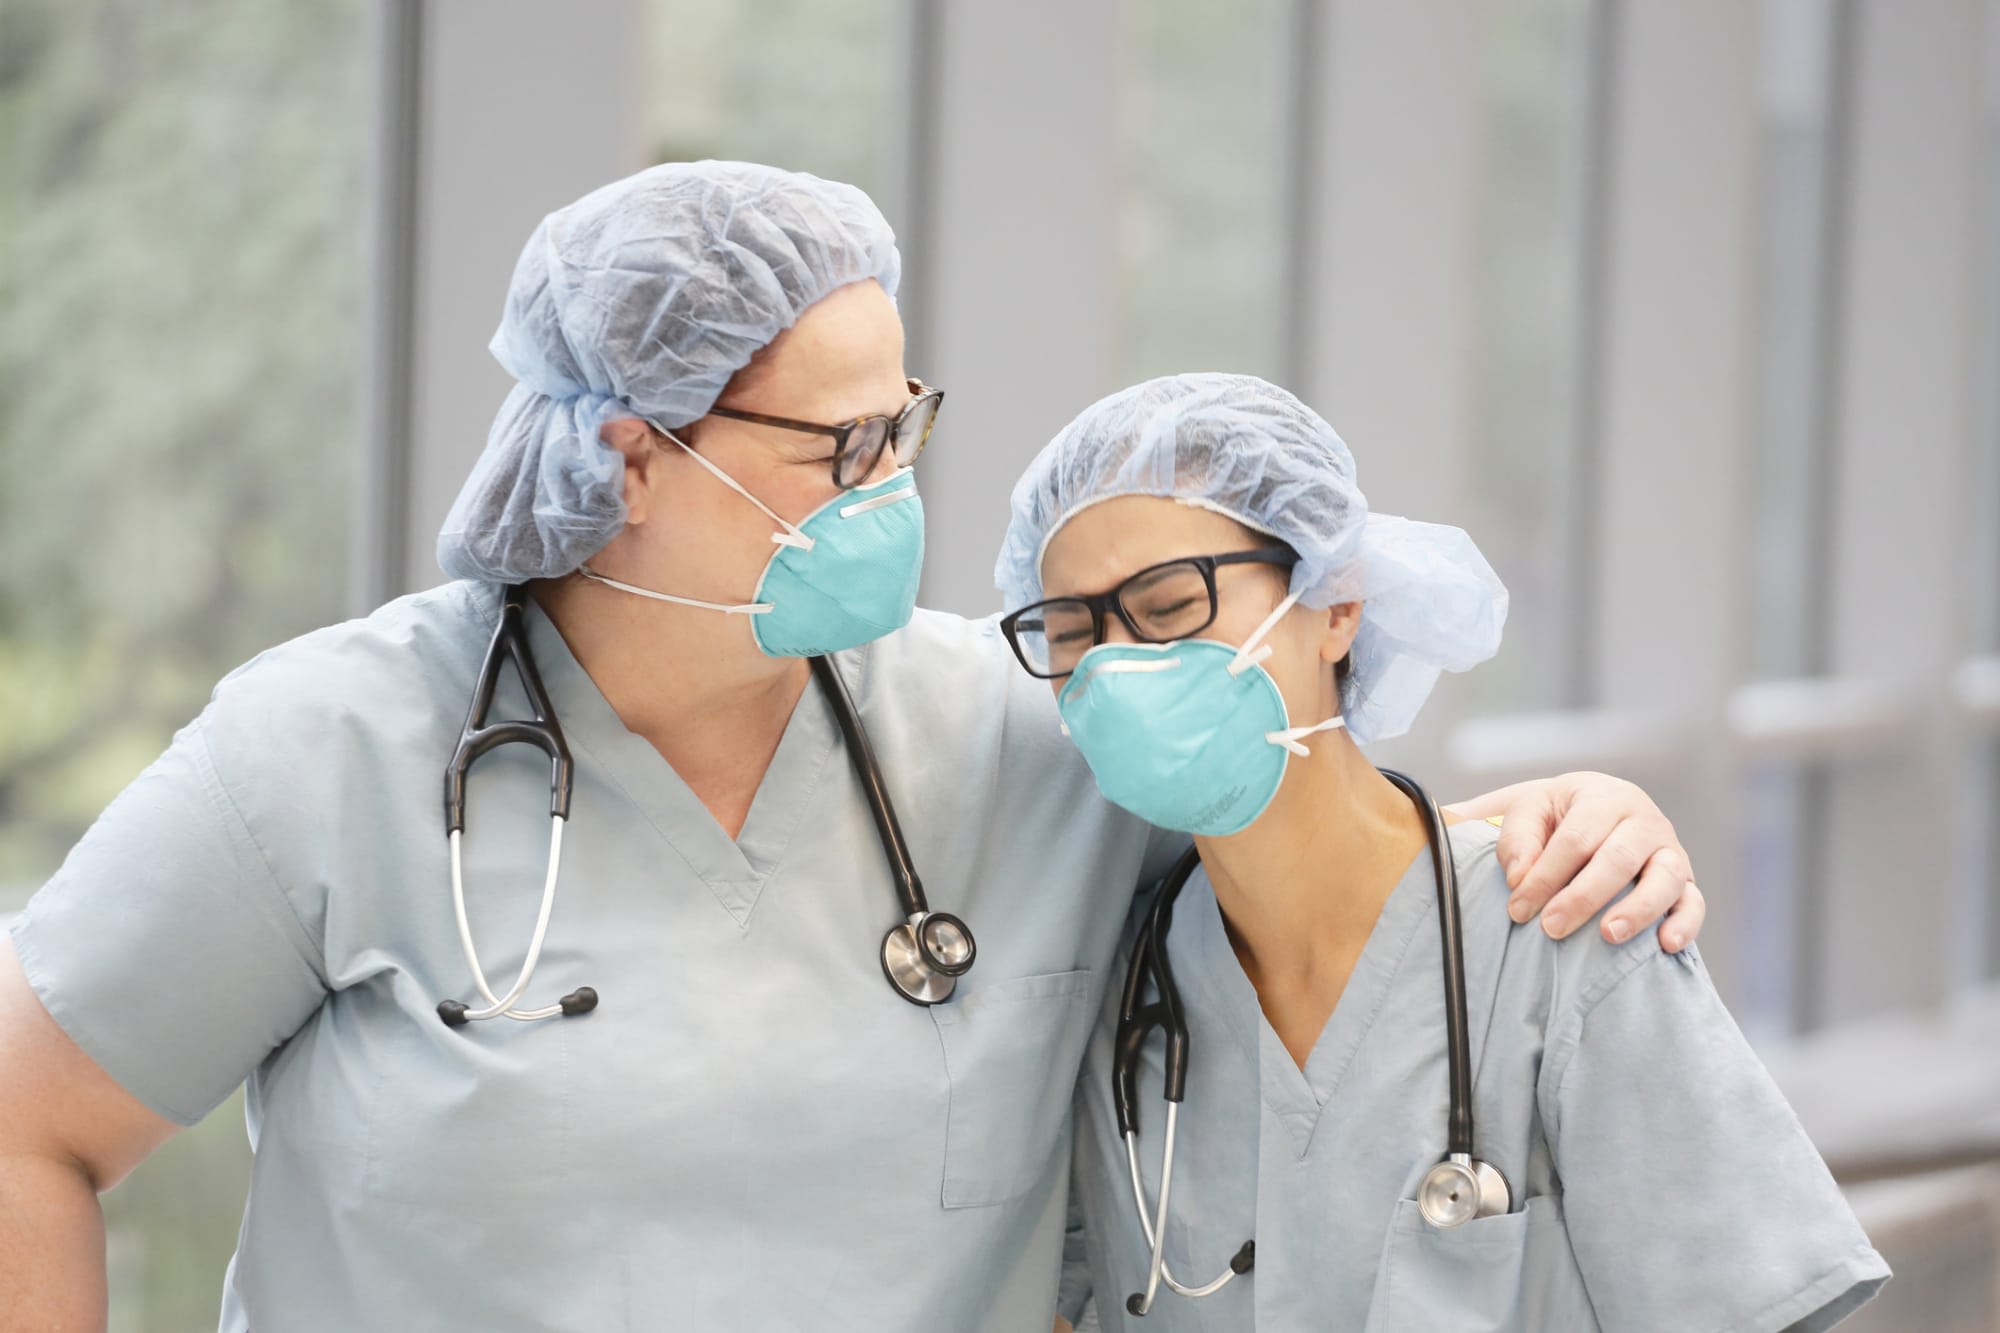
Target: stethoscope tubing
1137	1019
1458	1040
922	956
909	889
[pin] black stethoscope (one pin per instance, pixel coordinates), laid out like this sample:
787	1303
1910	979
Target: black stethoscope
923	956
1456	1190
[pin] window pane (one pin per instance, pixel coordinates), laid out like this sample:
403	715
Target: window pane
181	275
1782	838
1978	920
1202	227
811	85
1789	500
1975	942
1531	233
1774	865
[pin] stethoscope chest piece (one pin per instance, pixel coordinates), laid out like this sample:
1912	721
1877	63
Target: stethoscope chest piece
1461	1188
926	955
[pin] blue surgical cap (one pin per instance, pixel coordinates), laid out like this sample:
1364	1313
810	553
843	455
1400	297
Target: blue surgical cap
1251	451
641	299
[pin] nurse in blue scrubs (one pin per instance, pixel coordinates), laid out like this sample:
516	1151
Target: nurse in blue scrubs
1225	624
701	478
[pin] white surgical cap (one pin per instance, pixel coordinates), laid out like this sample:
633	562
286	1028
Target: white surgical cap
641	299
1250	450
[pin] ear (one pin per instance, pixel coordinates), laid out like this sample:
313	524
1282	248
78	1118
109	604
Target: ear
635	440
1343	622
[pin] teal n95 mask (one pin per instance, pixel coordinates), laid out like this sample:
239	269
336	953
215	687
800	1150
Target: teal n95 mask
1191	735
843	576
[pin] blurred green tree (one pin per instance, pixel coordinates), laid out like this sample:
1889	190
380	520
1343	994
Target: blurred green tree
180	282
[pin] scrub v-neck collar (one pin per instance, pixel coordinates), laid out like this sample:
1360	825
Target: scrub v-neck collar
734	869
1295	1097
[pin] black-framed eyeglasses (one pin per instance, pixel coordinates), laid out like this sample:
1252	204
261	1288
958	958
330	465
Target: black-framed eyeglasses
858	445
1161	603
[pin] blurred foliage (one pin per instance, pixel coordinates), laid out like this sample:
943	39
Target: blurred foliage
180	276
180	273
171	1226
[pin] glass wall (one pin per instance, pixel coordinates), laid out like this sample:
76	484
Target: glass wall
1803	161
181	281
1203	115
812	85
1528	476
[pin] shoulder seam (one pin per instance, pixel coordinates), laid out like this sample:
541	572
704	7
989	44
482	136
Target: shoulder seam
228	806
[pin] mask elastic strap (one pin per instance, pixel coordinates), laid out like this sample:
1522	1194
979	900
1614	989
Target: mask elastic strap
747	609
1254	650
791	536
1291	736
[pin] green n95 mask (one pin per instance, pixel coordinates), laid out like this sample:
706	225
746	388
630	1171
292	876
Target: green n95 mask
845	575
1191	735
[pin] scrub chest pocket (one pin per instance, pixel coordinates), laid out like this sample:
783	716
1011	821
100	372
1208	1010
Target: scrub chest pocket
1011	1053
1507	1274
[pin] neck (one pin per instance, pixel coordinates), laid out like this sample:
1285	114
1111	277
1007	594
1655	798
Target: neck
690	681
1301	888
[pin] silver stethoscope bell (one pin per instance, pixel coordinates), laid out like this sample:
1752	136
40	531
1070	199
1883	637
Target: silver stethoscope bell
1461	1188
926	955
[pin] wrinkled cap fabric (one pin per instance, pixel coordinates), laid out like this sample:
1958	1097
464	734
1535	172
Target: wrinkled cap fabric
641	299
1248	449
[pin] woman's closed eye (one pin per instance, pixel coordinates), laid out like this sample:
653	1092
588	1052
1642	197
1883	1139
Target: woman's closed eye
1169	613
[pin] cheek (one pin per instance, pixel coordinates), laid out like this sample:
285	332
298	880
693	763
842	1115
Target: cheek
795	491
1236	620
718	544
1303	678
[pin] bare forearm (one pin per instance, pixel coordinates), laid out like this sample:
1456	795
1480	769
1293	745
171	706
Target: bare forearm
51	1248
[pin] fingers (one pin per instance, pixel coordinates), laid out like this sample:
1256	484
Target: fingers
1605	870
1526	822
1591	813
1685	921
1661	884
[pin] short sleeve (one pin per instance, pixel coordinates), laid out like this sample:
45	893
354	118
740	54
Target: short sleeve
1694	1199
164	947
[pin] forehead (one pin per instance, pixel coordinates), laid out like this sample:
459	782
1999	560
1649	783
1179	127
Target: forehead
843	358
1114	539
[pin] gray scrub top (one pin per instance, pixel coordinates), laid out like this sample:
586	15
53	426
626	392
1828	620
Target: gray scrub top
751	1131
1660	1181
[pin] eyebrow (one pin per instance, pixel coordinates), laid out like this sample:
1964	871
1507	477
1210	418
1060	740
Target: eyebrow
1150	566
819	419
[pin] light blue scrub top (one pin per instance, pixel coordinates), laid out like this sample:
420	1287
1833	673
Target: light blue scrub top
1660	1181
751	1131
